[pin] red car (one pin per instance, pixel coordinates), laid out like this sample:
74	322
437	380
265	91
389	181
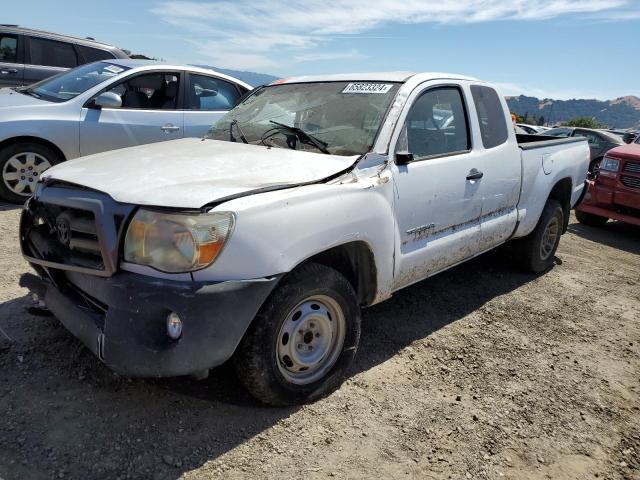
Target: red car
614	190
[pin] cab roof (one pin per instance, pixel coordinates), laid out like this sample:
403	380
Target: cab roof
373	77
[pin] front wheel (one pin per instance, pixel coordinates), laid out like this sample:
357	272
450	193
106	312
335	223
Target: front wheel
21	166
303	340
537	250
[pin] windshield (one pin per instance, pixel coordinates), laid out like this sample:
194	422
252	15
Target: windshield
70	84
341	118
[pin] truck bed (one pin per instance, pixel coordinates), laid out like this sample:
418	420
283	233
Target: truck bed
546	161
529	142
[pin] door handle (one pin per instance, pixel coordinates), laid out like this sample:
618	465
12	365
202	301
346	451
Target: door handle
9	71
169	128
475	174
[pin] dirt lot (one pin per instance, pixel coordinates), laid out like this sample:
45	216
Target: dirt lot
481	372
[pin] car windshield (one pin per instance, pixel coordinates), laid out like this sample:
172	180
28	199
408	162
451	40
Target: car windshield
72	83
341	118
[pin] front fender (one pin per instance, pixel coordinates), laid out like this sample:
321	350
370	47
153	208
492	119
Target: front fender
277	231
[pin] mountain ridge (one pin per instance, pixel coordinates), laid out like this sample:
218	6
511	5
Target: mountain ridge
621	112
252	78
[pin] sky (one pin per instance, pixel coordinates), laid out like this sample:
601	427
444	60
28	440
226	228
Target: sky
546	48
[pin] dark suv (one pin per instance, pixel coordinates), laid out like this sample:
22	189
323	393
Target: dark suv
28	56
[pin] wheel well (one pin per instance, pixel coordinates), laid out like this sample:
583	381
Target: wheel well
40	141
562	193
356	263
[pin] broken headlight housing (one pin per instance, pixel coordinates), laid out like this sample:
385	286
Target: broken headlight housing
176	242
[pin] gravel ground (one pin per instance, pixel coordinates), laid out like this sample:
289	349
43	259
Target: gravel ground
480	372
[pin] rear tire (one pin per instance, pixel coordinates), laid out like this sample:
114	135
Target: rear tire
21	165
302	341
590	219
537	250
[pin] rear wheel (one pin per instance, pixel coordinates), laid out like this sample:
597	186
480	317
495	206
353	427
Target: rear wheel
303	340
590	219
537	250
21	166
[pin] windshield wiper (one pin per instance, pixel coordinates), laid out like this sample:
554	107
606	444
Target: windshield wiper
304	136
242	137
27	91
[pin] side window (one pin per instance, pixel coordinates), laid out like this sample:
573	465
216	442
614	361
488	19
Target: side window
8	48
150	91
208	93
592	138
94	54
436	124
51	53
493	126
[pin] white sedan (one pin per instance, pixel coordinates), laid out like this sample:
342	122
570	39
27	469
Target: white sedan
104	106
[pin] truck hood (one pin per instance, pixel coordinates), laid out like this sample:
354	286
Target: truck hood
191	172
10	99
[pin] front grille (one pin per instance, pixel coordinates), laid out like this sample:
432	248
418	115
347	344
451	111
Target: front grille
65	235
633	182
631	167
73	229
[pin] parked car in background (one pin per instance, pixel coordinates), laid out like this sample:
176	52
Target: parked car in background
627	136
103	106
312	198
600	141
614	192
28	56
530	129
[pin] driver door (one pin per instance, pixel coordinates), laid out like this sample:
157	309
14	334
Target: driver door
150	113
439	202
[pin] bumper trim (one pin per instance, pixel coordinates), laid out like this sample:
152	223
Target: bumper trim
129	336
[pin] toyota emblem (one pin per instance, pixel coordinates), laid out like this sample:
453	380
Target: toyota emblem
64	231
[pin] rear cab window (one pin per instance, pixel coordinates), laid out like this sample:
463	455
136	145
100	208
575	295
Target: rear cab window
51	53
493	125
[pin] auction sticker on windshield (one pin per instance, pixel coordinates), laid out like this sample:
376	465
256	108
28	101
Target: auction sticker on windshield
367	88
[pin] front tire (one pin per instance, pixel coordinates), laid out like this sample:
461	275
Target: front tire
537	250
21	166
590	219
302	342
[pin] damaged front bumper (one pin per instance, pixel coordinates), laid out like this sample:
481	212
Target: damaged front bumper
122	318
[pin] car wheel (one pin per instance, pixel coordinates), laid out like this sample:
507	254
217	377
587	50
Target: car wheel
590	219
537	250
21	166
594	166
302	341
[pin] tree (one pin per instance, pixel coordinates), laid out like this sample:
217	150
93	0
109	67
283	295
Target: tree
541	121
584	122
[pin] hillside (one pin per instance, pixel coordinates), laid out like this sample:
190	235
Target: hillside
623	112
252	78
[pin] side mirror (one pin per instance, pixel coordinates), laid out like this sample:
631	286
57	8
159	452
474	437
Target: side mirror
403	158
108	100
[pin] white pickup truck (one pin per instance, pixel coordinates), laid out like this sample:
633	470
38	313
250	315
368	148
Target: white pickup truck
311	199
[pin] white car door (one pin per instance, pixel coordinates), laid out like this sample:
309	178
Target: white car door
438	200
502	170
207	100
149	113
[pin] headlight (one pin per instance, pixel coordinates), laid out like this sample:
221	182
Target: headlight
609	164
176	242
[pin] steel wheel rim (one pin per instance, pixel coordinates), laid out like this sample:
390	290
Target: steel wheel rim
310	339
549	238
21	172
